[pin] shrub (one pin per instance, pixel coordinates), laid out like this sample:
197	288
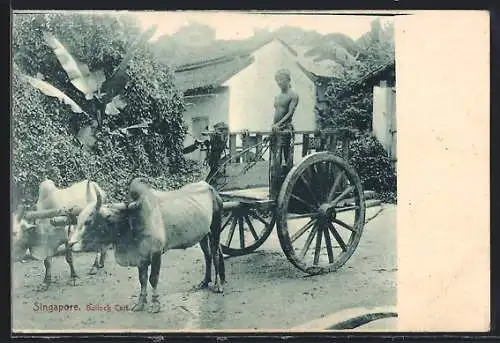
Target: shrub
348	110
373	166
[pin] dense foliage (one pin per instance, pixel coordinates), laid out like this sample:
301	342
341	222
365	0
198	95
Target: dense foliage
354	110
44	129
374	166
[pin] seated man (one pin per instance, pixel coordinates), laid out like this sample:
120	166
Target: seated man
285	104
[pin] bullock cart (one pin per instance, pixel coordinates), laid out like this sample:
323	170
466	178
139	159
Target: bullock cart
317	205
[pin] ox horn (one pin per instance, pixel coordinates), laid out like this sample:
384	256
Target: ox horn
133	205
89	191
20	214
99	198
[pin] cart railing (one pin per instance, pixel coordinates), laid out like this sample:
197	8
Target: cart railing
246	166
307	141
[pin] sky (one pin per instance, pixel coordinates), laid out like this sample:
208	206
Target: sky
240	25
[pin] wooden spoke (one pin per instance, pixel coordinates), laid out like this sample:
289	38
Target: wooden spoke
331	172
259	218
308	242
319	178
313	208
242	232
337	237
308	186
329	249
299	233
318	246
308	173
346	208
252	229
315	170
245	218
335	185
223	226
325	166
299	216
231	232
343	194
341	223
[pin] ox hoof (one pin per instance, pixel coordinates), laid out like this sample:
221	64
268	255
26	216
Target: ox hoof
155	307
73	280
217	288
93	270
139	306
202	285
42	287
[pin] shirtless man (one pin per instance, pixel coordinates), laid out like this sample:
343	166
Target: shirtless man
285	104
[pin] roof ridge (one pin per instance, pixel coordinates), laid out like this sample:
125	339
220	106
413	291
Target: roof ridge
224	58
205	63
362	80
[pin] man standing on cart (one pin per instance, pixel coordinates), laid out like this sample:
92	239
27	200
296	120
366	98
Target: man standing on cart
285	104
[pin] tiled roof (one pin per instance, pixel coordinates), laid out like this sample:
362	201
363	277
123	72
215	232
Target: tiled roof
210	74
370	78
225	61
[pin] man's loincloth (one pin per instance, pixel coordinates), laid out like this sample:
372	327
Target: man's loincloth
285	139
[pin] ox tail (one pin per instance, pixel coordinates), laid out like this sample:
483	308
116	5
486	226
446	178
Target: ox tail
215	230
217	204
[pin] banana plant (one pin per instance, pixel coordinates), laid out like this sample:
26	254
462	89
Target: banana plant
92	84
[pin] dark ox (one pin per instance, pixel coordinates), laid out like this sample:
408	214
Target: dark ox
43	239
155	222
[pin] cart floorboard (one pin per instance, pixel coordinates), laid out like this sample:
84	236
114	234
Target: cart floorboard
248	194
260	195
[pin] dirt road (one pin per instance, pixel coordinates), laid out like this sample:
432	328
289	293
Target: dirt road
264	291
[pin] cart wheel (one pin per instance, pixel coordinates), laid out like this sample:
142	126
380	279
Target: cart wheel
252	225
321	198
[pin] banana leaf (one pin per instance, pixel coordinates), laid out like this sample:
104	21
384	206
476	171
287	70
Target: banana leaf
190	148
47	89
96	79
143	38
116	83
79	74
86	136
115	105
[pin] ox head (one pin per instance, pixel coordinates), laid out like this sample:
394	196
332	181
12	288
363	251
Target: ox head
22	231
97	221
138	186
87	215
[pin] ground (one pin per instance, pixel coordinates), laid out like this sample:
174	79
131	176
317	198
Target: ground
264	291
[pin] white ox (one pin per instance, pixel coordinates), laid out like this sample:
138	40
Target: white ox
156	222
43	239
20	226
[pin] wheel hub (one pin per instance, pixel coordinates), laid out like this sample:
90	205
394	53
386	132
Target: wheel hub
326	211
